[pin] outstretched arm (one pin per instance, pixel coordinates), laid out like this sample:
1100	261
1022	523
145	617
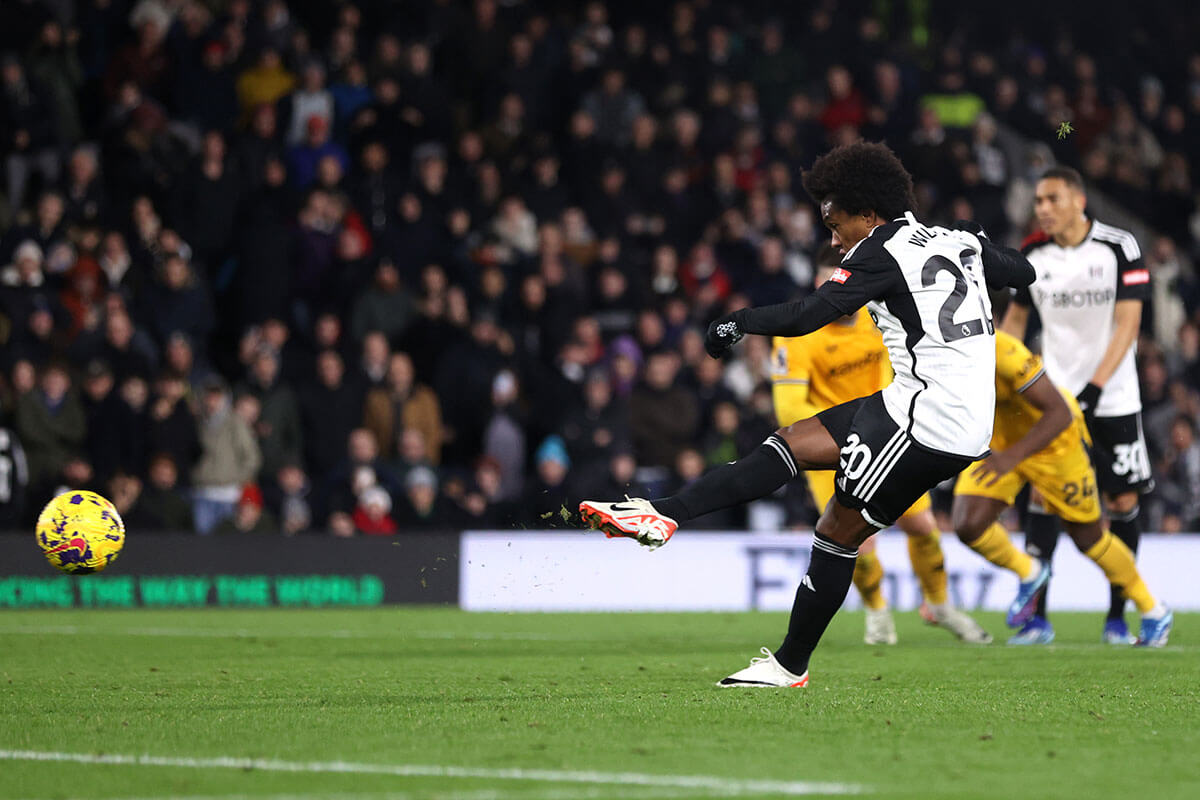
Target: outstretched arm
788	319
783	319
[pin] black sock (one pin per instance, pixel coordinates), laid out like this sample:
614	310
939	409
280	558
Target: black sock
770	466
1041	537
1127	527
819	596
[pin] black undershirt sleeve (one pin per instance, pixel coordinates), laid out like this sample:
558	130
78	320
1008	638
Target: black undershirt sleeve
788	319
1004	267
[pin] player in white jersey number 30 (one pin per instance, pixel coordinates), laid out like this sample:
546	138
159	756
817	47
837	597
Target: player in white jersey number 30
1091	284
925	288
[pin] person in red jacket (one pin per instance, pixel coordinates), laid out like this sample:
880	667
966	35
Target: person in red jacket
373	514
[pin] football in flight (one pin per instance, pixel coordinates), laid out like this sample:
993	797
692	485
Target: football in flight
80	532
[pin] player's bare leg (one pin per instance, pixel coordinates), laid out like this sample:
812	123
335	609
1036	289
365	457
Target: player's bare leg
929	564
811	444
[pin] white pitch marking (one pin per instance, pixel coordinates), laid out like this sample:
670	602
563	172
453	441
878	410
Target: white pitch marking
74	630
606	793
706	783
598	793
240	633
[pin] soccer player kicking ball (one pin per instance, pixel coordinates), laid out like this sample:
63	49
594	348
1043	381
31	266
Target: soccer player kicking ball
924	287
809	374
1039	438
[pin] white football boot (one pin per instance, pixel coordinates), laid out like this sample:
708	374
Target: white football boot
959	623
881	628
633	517
765	672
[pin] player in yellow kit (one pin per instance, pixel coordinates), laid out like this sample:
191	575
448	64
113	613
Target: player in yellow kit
1039	438
843	361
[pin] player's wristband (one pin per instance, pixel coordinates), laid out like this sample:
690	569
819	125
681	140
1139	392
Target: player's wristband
1088	398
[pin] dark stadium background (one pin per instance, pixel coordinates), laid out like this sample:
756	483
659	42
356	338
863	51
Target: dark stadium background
448	262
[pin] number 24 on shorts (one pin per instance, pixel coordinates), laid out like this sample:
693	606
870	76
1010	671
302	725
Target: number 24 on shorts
1073	492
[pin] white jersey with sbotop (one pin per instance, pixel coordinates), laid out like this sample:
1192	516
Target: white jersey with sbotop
1075	294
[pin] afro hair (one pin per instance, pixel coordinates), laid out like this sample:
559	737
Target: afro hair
861	177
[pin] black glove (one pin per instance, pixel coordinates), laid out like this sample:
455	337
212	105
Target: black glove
723	333
1087	399
970	226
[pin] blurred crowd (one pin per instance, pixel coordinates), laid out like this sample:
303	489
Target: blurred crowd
367	267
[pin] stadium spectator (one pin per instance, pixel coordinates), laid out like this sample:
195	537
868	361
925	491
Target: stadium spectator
160	505
504	436
329	409
265	83
386	306
51	423
124	347
304	156
664	416
30	140
249	516
360	469
426	507
549	492
290	502
277	428
373	513
1181	478
178	302
229	458
402	404
108	425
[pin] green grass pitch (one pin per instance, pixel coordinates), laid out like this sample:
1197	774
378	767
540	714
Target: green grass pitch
393	704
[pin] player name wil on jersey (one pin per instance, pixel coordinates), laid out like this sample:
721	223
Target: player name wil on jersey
1075	294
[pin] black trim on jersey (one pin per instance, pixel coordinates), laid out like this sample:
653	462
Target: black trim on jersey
906	313
1102	231
1137	291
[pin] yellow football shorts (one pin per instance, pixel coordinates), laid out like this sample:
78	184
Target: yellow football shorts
820	484
1063	476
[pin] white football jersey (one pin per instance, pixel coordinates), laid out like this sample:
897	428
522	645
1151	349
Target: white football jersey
1075	294
924	287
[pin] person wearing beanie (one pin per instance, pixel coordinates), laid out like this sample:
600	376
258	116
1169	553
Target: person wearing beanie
249	516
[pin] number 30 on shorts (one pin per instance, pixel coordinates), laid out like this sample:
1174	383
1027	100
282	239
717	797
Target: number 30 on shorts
855	458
